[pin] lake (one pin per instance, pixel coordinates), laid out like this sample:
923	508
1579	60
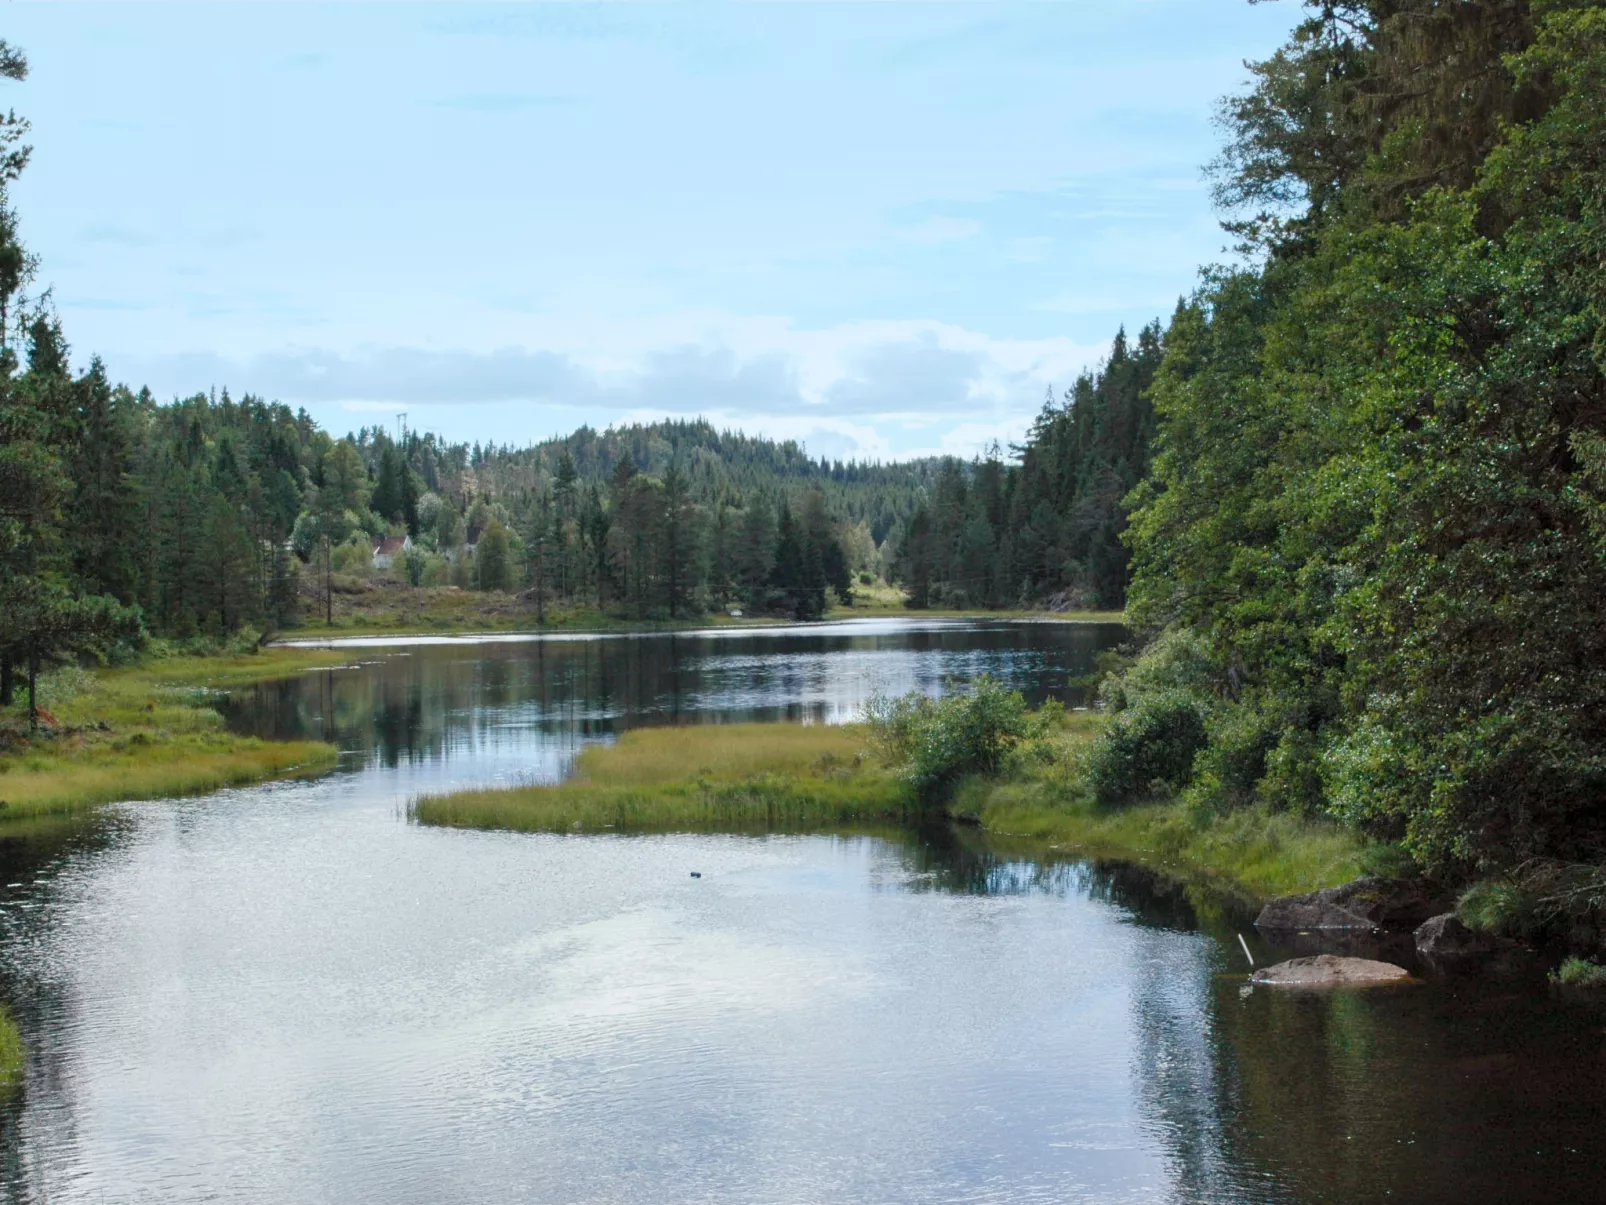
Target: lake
290	993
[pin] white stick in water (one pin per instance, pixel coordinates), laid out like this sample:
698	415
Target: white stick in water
1247	954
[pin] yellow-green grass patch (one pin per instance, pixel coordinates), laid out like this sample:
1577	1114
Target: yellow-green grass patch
145	732
716	777
13	1055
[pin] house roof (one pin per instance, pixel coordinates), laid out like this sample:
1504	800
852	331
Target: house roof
390	545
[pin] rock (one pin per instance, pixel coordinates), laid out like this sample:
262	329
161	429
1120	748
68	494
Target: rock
1364	904
1327	970
1445	937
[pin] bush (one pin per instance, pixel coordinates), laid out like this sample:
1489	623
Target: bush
1502	907
939	741
1231	766
1577	972
1148	748
1177	660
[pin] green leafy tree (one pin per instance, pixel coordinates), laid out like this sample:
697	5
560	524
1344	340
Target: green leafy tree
493	559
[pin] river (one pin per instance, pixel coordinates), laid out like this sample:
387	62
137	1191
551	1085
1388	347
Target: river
291	993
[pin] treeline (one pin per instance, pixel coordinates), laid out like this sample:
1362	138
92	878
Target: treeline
1373	541
651	520
1047	529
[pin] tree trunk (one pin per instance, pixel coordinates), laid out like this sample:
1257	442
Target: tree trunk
8	680
329	583
33	689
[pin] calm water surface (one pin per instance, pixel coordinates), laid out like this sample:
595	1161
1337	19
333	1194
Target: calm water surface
291	994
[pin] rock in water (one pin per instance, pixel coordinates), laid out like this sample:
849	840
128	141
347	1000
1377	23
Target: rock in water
1445	937
1364	904
1327	970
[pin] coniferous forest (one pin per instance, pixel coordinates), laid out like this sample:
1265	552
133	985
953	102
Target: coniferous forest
1352	493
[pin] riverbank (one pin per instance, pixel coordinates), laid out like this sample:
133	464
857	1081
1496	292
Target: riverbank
147	731
385	607
706	778
747	777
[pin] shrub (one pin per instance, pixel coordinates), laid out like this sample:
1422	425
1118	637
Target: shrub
1177	660
939	741
1500	906
1578	972
1148	748
1230	767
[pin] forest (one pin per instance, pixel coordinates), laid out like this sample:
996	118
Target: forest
1368	556
1352	493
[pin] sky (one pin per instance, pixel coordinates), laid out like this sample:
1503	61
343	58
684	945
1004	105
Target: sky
885	229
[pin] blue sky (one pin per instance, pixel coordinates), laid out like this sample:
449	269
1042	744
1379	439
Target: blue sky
883	229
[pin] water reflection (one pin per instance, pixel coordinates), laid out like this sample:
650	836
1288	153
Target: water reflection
525	706
288	994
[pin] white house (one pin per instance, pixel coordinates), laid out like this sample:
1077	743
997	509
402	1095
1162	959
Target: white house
388	549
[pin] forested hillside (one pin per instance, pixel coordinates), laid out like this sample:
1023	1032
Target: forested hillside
1371	545
1047	528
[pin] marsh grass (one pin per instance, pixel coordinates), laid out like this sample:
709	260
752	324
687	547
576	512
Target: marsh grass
793	777
145	732
13	1055
708	778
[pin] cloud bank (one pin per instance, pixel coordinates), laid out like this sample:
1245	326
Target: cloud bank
879	390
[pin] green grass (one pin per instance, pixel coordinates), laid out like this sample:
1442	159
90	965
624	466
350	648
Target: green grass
1252	852
13	1055
753	777
716	777
146	732
1577	972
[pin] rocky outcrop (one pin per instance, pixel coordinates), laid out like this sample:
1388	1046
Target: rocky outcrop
1364	904
1445	938
1328	970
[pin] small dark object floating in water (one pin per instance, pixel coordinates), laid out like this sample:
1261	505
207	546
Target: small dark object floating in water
696	874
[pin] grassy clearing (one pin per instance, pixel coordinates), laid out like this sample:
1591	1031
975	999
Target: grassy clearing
146	732
384	607
13	1055
717	777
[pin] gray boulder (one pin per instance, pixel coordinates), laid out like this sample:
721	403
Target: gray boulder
1328	970
1367	903
1445	937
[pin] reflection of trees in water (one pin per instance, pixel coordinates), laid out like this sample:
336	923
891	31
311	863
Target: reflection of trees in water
429	702
43	1006
1182	1077
1179	1074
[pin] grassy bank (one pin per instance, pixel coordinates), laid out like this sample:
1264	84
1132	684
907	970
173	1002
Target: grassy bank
716	777
751	777
145	732
386	607
13	1055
